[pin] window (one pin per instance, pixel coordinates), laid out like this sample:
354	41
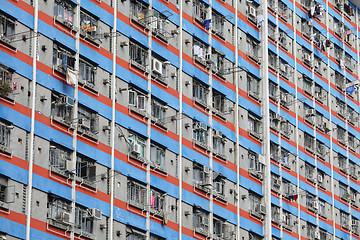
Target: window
320	93
87	73
321	208
82	220
287	188
201	221
350	63
341	135
219	102
284	12
6	81
353	169
271	28
310	172
285	128
287	219
138	56
273	91
157	110
353	196
320	149
284	68
254	126
217	23
217	62
308	85
338	27
60	160
199	52
200	92
273	60
218	142
252	48
275	183
310	199
5	138
343	192
253	87
200	134
256	168
344	220
88	122
275	214
201	177
89	26
86	170
219	227
59	210
7	29
306	28
255	205
63	59
157	202
200	11
311	229
341	107
338	53
218	184
136	194
157	156
351	141
286	98
63	12
285	157
133	234
139	12
61	108
355	225
342	163
274	152
352	116
137	99
137	145
158	24
274	120
339	80
7	193
309	142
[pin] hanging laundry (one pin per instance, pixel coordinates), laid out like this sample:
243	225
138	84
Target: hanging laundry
259	20
71	77
350	89
197	50
342	64
207	23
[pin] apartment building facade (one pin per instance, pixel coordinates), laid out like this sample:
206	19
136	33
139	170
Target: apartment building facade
168	119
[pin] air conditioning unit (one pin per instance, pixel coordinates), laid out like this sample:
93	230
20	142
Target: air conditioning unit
95	213
307	57
135	148
262	209
317	234
68	166
282	67
4	38
85	122
252	11
65	217
320	178
353	197
157	66
206	170
67	101
284	218
315	204
283	97
310	112
218	133
283	119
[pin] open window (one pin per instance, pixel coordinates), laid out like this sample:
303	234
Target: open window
273	91
273	61
86	171
87	74
139	12
62	108
275	183
200	50
200	134
350	63
256	208
200	93
137	101
310	172
274	120
60	161
287	189
217	23
287	220
256	168
254	126
7	193
309	143
138	56
219	185
63	59
275	214
320	149
218	103
88	122
353	170
157	202
339	80
344	220
158	23
340	108
202	178
320	94
217	62
274	151
218	144
311	202
251	12
158	111
308	85
252	48
284	11
137	147
341	135
355	226
200	11
253	86
157	157
89	27
201	221
285	158
7	85
306	28
59	212
136	194
7	29
64	12
342	163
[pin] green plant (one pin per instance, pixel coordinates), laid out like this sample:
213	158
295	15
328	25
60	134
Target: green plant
5	89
